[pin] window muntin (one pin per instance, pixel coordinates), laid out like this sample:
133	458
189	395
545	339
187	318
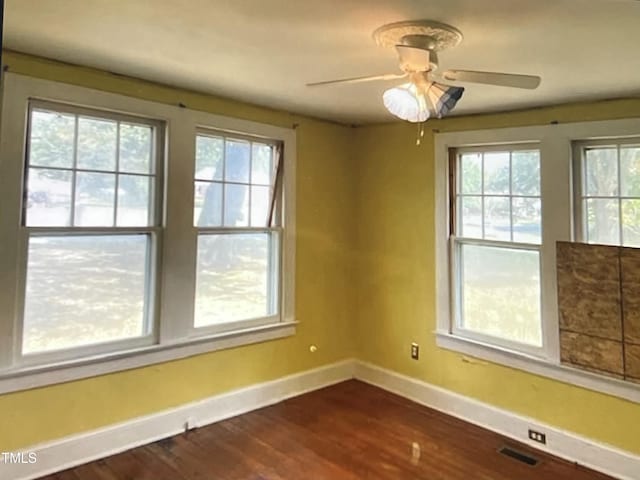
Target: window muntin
238	267
233	181
84	171
91	215
498	194
608	192
496	242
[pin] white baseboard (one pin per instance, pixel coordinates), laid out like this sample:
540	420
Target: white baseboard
563	444
78	449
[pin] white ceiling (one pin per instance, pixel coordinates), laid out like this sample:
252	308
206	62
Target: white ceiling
265	51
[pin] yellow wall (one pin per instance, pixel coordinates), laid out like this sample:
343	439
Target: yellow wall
396	291
365	276
324	293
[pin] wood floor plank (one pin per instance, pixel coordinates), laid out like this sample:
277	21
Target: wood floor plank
97	470
350	431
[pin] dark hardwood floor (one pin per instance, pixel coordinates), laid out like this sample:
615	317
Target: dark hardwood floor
346	432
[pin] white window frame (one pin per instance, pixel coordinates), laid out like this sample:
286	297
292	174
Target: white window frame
154	231
555	142
456	243
222	230
176	273
579	180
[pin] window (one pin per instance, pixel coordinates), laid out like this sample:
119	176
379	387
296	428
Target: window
504	198
238	246
608	191
134	232
91	225
496	243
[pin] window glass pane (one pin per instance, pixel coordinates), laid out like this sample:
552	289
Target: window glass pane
471	216
207	210
236	200
48	198
96	144
501	293
602	221
526	220
83	290
133	201
496	173
259	206
631	223
497	223
630	171
471	173
601	165
261	164
525	172
233	278
237	159
95	196
135	148
51	139
209	157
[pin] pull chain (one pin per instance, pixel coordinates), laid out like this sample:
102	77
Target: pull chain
420	133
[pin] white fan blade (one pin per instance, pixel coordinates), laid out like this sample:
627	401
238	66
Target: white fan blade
492	78
413	59
370	78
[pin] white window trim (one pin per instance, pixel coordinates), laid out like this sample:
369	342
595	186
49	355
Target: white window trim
154	230
456	244
276	229
175	337
555	144
579	194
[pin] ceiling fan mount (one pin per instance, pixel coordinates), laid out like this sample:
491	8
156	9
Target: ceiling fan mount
426	34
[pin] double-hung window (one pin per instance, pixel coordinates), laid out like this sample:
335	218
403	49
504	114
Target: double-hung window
237	214
133	232
90	222
495	244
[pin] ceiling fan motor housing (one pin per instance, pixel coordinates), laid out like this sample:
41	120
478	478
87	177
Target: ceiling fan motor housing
416	59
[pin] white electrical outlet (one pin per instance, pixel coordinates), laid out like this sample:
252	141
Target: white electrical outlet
537	436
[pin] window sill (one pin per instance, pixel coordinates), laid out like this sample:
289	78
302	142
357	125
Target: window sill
538	366
32	377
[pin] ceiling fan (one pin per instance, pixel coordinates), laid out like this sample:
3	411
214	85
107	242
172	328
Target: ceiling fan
417	44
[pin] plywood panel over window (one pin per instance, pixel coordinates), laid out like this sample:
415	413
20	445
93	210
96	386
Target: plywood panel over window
592	353
598	308
632	362
589	290
630	265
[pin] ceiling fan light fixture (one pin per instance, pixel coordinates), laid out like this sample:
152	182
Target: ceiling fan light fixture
442	98
406	102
